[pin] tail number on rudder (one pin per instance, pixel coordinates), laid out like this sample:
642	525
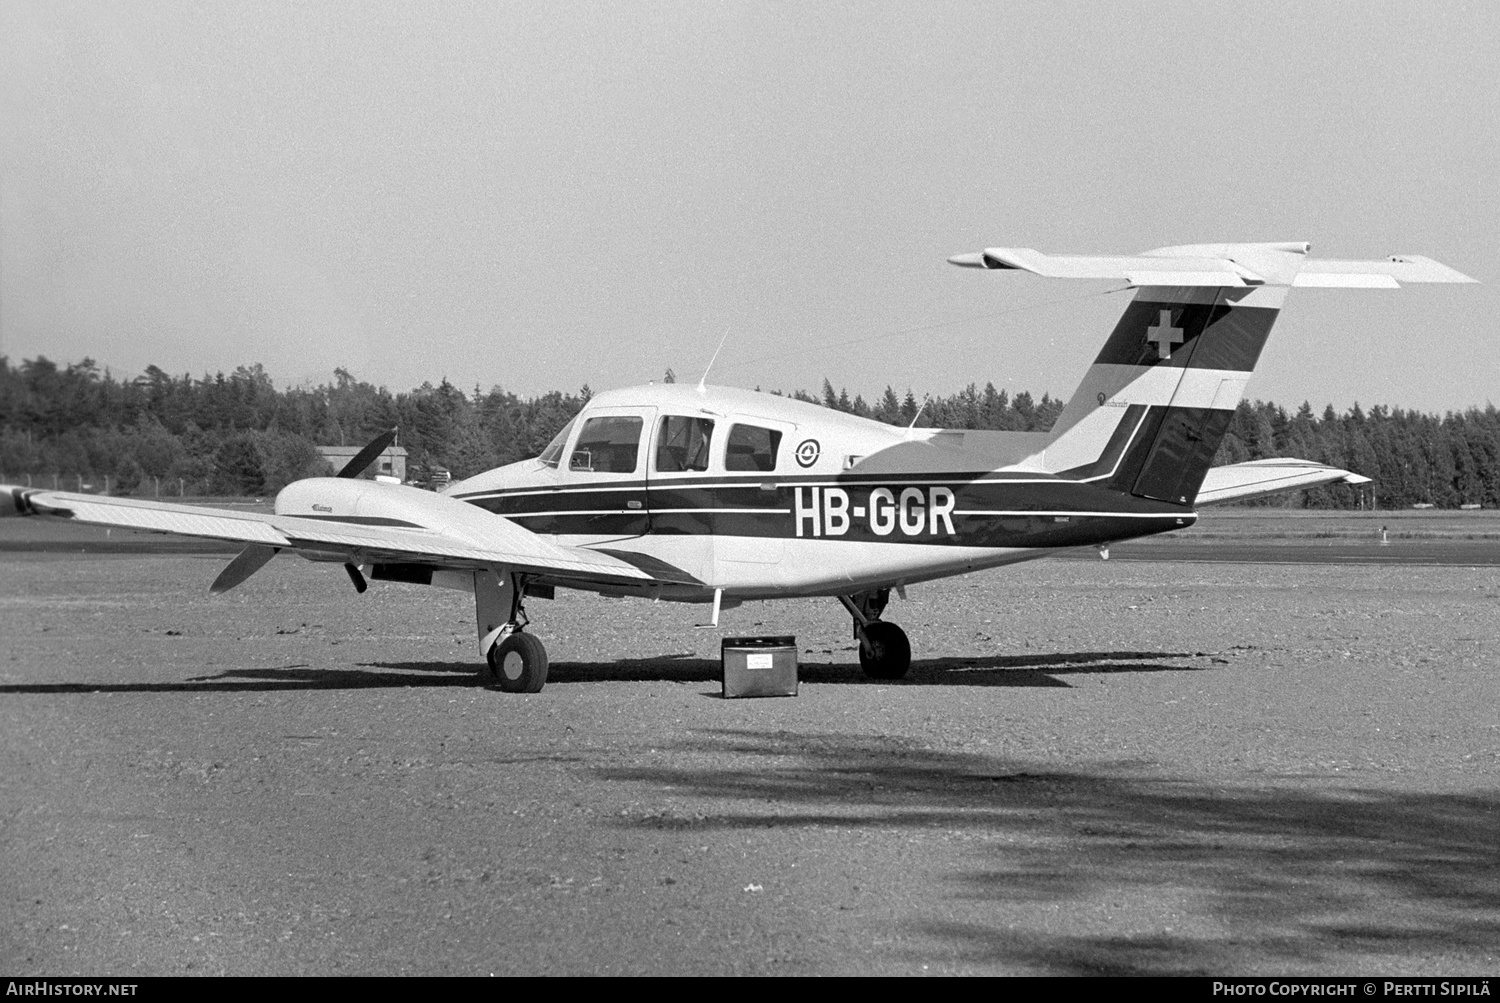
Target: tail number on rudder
830	512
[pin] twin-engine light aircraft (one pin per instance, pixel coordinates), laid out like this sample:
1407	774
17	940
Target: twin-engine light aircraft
715	495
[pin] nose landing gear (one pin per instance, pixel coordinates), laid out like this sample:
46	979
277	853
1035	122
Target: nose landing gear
884	651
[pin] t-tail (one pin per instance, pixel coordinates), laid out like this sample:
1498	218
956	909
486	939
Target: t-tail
1153	408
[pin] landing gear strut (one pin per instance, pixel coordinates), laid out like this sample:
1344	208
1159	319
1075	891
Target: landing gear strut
514	661
884	651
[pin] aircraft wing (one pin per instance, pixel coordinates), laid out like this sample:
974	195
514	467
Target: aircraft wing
1239	481
360	541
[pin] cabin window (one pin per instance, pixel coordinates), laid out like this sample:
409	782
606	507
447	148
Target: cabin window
552	455
607	445
751	448
683	444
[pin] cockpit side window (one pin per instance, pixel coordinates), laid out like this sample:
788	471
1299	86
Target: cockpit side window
552	455
751	448
682	443
607	445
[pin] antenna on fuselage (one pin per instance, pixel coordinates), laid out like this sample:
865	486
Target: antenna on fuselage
703	380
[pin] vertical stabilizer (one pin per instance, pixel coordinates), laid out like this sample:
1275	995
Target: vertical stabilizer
1152	409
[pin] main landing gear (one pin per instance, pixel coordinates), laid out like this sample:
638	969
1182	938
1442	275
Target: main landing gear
884	651
513	660
517	664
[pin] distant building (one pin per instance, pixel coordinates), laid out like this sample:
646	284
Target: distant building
391	463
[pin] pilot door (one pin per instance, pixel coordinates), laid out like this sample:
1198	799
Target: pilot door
602	494
681	482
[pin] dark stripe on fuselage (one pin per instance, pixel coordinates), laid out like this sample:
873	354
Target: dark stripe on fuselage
603	510
1044	512
1214	336
656	568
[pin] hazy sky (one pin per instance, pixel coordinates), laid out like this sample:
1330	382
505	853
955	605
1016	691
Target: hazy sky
542	195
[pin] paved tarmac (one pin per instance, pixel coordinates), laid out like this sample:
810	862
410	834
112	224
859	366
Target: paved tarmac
1094	768
36	536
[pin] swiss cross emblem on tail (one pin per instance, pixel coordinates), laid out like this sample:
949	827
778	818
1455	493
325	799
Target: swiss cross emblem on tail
1164	335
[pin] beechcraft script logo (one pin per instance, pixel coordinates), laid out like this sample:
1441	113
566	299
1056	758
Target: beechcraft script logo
1164	335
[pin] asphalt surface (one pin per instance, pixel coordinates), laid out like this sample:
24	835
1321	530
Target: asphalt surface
1093	768
1480	549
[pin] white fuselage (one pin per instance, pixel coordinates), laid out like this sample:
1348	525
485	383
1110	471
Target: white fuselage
761	496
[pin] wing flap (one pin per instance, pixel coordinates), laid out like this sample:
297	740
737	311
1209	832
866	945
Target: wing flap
1257	478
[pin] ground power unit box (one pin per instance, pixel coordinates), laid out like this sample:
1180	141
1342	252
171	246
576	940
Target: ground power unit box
759	666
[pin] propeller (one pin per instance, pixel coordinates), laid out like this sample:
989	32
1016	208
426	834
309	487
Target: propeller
366	456
251	560
357	578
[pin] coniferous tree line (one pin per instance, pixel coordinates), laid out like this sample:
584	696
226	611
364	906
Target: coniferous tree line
237	434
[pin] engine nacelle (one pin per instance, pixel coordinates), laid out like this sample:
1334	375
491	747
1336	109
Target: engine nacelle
347	501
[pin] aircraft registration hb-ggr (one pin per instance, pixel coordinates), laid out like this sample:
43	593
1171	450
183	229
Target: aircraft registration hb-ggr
717	495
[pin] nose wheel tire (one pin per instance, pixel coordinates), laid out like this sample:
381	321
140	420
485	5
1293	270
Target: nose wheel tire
518	664
884	653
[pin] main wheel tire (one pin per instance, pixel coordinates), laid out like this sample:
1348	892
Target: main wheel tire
885	652
518	664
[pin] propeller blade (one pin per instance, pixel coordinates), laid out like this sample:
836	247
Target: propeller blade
251	560
358	579
366	456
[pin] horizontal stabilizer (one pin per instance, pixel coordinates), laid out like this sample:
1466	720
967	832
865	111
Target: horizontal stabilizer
1218	265
1139	270
1396	270
1257	478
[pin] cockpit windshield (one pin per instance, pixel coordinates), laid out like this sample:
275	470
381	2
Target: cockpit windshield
552	455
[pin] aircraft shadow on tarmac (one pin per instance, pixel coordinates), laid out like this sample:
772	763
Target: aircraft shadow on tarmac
289	677
989	670
1039	670
1181	876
